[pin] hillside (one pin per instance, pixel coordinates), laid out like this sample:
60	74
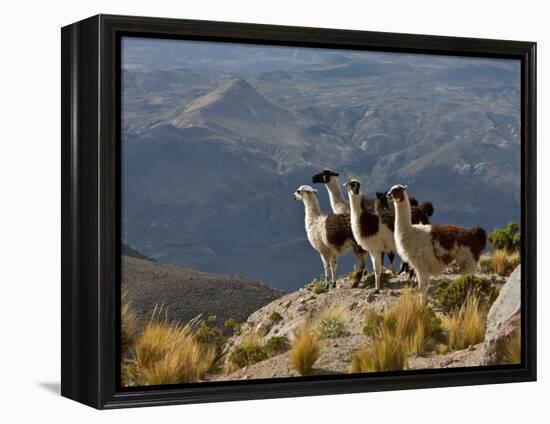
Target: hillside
186	293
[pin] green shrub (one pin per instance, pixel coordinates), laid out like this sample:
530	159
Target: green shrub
233	326
331	328
275	317
486	266
210	335
320	288
247	354
276	345
451	295
508	238
385	278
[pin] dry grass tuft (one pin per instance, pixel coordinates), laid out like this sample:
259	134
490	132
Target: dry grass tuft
415	322
410	327
305	350
388	353
335	312
168	353
466	326
503	262
129	325
512	348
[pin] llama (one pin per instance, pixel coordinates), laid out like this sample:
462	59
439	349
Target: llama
431	248
370	231
339	205
420	214
330	235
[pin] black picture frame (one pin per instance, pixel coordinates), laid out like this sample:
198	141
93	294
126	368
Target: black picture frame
90	139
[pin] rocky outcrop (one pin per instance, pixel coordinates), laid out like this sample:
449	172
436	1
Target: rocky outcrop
503	321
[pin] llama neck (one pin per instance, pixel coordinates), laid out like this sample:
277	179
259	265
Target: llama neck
403	214
312	208
337	201
355	205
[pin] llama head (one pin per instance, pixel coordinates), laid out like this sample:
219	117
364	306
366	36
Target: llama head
383	199
324	176
397	193
304	192
353	187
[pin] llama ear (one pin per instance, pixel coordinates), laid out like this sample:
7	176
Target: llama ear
405	188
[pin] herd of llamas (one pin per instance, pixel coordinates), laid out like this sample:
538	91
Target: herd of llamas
390	223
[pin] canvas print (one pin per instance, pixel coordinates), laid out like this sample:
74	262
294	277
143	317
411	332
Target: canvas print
295	211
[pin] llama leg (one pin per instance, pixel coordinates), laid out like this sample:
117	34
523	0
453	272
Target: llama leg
412	274
360	267
326	267
333	265
403	268
391	257
423	284
377	270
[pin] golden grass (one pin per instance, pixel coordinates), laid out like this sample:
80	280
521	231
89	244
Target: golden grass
168	353
414	322
129	325
387	353
335	312
466	326
407	328
305	350
512	348
503	262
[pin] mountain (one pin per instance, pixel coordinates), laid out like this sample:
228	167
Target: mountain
210	159
185	293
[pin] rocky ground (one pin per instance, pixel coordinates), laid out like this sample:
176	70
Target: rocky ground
349	304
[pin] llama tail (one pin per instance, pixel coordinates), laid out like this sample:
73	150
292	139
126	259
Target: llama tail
479	240
427	207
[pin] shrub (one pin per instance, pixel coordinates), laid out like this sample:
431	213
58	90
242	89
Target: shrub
305	350
387	353
486	265
466	326
508	238
170	353
247	354
331	328
320	288
232	326
129	325
503	262
210	335
276	345
451	295
275	317
385	278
